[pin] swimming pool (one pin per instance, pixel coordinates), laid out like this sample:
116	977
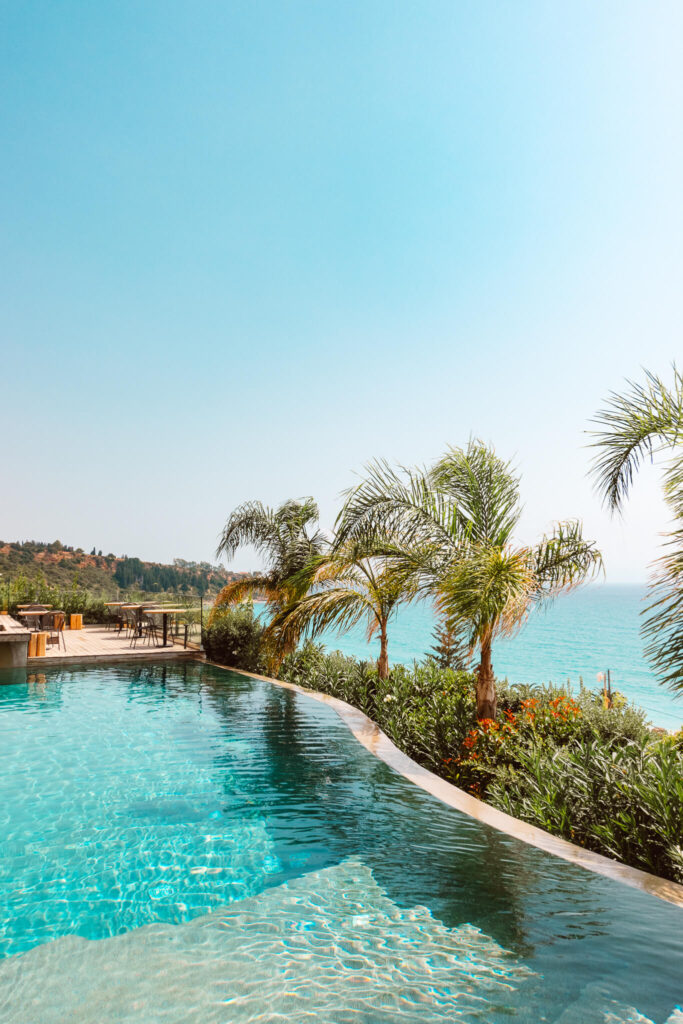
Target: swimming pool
236	853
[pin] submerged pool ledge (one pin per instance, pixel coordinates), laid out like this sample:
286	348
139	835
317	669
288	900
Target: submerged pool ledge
373	739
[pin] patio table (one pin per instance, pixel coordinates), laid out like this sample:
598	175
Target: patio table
165	612
139	609
114	617
35	613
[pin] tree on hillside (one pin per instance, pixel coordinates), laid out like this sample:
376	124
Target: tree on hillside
450	533
643	421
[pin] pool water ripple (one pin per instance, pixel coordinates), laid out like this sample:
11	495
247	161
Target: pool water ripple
236	852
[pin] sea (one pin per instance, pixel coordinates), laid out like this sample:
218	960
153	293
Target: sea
581	634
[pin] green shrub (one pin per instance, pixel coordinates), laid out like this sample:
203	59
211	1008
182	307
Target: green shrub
625	801
427	711
622	723
423	709
73	599
564	762
235	638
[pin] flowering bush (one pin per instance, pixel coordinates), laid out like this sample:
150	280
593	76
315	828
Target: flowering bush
489	745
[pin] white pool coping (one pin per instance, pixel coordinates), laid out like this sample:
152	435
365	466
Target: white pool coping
369	734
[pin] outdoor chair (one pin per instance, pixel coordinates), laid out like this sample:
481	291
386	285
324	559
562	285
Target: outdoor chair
113	620
152	628
131	623
56	629
149	632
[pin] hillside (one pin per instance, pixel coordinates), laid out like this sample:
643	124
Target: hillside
106	575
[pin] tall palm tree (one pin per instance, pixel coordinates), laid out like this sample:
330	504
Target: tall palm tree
643	421
352	583
449	533
286	538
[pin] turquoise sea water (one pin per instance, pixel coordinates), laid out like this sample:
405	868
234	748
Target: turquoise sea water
239	856
581	634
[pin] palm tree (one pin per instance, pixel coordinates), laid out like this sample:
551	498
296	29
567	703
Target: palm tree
352	583
449	533
643	421
286	538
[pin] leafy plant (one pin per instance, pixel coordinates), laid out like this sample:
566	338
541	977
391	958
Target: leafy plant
235	637
622	801
450	648
72	599
562	761
643	421
424	710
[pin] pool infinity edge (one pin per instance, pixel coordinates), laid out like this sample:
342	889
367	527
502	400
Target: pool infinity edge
369	735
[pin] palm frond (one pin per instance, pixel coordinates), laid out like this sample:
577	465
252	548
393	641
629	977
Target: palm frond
286	538
239	590
351	582
663	626
635	425
490	590
398	505
483	489
673	485
336	607
644	421
564	560
250	523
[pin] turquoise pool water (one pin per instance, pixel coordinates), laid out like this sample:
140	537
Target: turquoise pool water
238	856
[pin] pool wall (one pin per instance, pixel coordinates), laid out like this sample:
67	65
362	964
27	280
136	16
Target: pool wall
373	739
14	640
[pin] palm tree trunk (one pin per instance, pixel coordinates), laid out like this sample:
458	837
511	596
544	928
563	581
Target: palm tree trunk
383	660
487	701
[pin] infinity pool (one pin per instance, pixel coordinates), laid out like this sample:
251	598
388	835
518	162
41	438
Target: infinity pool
238	856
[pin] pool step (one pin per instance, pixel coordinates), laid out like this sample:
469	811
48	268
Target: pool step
600	1004
328	947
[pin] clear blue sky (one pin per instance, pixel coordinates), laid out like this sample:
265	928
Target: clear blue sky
247	246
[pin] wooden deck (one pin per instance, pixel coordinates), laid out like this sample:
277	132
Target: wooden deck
95	643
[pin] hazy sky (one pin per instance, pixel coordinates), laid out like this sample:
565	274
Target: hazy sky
248	246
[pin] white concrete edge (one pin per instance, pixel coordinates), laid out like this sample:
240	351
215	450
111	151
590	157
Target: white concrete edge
369	734
145	654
